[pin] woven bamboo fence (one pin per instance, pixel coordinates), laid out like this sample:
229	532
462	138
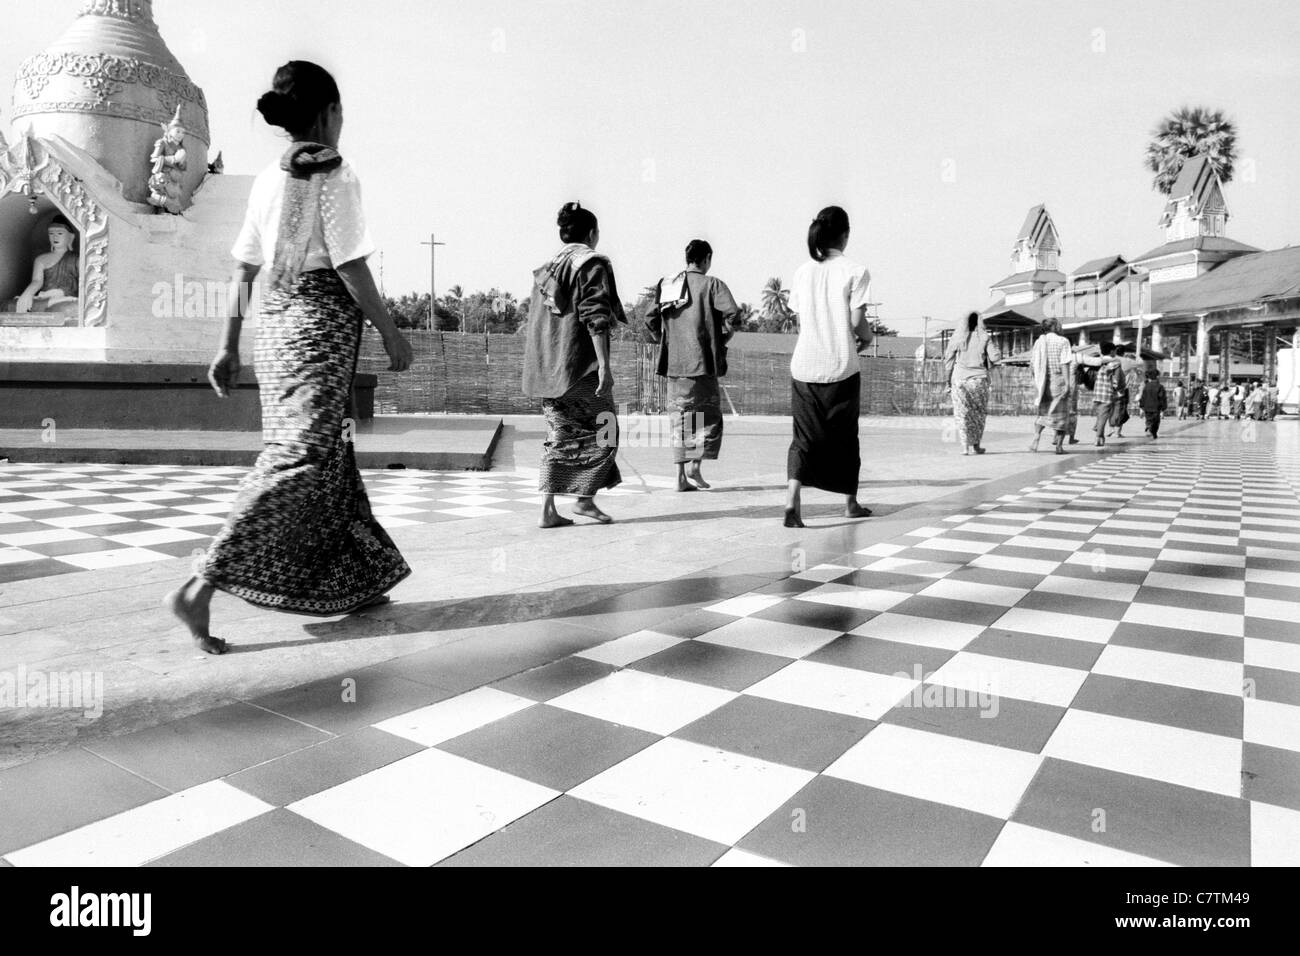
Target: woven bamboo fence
480	374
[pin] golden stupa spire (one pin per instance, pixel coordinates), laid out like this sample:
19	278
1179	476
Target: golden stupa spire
140	11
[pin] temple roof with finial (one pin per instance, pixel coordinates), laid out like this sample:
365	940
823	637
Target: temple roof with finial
1197	187
1038	227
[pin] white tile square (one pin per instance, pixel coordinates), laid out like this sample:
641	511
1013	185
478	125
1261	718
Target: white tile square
1007	677
471	501
1187	619
921	569
972	591
24	505
473	512
185	521
1043	543
199	508
882	550
631	648
1208	559
1056	624
1101	560
1228	587
840	690
144	833
734	857
1272	724
959	545
660	705
1088	587
425	807
1186	758
927	632
1288	611
458	715
998	562
85	520
824	572
1165	667
1276	655
18	555
942	769
143	539
844	595
1274	835
120	558
52	536
1020	845
745	605
711	793
771	637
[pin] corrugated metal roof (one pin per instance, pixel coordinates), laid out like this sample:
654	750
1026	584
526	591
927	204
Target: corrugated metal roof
1038	275
1202	243
1245	280
1095	267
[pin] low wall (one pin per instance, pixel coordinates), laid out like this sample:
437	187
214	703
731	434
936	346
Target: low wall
480	374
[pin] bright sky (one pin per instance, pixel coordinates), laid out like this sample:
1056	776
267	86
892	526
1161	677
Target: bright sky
937	124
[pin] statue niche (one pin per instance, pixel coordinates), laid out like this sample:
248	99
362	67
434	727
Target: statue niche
55	286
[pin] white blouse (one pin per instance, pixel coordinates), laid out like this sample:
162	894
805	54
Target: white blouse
824	295
340	235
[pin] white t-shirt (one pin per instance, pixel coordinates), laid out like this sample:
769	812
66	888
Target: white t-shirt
340	235
824	295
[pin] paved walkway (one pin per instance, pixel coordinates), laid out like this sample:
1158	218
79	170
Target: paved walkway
1001	669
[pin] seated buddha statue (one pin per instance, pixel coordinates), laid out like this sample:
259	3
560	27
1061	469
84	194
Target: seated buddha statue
56	275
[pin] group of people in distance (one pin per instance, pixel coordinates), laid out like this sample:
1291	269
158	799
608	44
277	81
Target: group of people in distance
575	304
1254	400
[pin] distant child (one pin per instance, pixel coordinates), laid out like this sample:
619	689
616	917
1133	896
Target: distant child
1153	402
1180	399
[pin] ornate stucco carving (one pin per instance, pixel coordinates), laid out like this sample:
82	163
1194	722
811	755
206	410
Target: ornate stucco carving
104	78
28	168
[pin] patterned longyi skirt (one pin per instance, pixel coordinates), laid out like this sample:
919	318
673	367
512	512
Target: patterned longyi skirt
301	536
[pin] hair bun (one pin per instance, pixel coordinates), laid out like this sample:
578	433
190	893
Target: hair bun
274	107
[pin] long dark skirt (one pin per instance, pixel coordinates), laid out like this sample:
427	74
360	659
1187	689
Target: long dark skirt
824	453
301	536
695	405
581	442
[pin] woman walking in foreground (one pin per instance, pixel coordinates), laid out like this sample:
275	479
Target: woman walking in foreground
970	356
566	364
830	295
301	536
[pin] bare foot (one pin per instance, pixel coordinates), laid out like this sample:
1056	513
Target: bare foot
792	519
194	615
856	510
684	485
695	476
554	520
588	509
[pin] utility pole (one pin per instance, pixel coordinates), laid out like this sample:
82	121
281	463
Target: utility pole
925	338
433	245
382	295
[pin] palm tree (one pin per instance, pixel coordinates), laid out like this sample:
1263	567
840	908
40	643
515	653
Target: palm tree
744	317
776	305
1188	132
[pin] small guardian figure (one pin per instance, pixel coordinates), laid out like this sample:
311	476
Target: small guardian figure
169	164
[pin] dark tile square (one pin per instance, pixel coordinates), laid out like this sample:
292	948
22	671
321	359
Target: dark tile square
302	773
1267	683
348	702
778	733
830	617
850	825
1073	604
1102	572
1226	572
1271	630
692	624
1036	648
572	832
552	680
1008	722
1178	641
943	609
959	558
1006	579
30	570
1160	820
206	746
886	581
55	549
556	748
55	794
715	665
787	587
1274	592
1195	600
276	839
1158	703
1270	775
881	657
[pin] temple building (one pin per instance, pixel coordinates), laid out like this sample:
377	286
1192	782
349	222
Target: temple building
1204	303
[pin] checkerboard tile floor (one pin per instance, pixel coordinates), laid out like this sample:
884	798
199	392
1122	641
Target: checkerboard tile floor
56	519
1102	668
